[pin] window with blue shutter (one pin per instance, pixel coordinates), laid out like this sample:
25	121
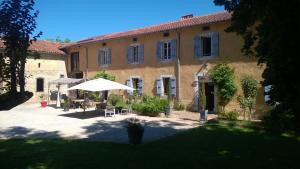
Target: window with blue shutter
129	55
214	44
108	55
100	56
129	84
173	48
197	47
173	86
159	87
159	50
141	53
140	86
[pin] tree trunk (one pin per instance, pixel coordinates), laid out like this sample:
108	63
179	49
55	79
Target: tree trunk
22	77
13	78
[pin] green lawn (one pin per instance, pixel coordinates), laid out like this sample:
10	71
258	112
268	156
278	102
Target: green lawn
218	145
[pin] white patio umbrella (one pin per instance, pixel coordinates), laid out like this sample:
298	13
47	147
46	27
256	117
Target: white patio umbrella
100	85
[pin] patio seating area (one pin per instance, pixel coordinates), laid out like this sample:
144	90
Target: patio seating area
33	121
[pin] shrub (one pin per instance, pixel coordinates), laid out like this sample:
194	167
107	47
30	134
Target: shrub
113	99
249	86
223	76
150	106
178	105
231	116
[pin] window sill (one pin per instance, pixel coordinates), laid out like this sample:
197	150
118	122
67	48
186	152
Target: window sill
103	66
166	60
206	57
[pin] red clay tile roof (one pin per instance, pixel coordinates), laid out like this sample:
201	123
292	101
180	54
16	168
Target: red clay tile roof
44	46
198	20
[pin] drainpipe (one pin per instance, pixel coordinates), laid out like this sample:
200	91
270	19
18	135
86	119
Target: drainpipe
177	67
87	62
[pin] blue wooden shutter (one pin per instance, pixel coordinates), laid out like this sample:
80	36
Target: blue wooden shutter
173	48
159	86
129	55
129	84
100	58
197	47
108	55
158	50
214	44
140	86
141	53
173	86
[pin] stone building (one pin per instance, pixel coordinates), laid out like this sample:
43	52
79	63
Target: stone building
50	66
174	53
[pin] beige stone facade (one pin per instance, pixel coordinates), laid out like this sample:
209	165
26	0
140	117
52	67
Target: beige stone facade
185	67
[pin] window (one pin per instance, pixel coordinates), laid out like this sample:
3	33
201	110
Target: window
39	65
166	85
135	54
39	84
61	76
75	61
166	50
135	82
135	51
104	57
206	46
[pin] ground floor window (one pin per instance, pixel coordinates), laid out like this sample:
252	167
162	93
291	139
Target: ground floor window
166	86
40	84
137	83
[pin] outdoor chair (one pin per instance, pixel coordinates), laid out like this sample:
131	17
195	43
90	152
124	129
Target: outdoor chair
110	111
101	106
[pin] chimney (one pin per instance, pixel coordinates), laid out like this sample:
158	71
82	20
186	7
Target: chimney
187	16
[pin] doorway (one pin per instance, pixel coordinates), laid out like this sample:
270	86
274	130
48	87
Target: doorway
210	96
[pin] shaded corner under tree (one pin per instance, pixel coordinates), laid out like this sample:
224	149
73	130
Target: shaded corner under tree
270	30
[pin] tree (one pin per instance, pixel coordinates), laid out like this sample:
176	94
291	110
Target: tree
249	86
104	75
58	39
223	76
270	30
17	23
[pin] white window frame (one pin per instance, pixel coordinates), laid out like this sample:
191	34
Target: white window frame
162	82
135	45
169	50
208	34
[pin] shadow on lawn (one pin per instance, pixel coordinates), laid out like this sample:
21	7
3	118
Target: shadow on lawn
219	144
115	130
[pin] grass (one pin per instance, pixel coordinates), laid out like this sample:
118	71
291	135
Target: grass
220	144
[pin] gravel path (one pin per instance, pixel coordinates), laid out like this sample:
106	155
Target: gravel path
30	120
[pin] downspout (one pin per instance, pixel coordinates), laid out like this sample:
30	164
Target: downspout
177	67
87	62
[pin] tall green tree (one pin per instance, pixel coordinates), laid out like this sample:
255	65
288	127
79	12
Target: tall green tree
270	30
17	25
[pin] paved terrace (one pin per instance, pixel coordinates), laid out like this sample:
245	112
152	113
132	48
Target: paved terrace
30	120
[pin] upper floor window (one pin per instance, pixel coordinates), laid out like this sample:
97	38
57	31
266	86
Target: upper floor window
39	84
166	50
206	45
75	61
135	53
104	57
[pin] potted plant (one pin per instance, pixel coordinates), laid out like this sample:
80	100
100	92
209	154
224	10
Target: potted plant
135	131
202	101
168	108
43	102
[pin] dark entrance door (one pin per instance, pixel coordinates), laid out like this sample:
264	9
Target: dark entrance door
210	99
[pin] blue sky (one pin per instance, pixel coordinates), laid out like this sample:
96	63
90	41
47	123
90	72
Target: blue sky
79	19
